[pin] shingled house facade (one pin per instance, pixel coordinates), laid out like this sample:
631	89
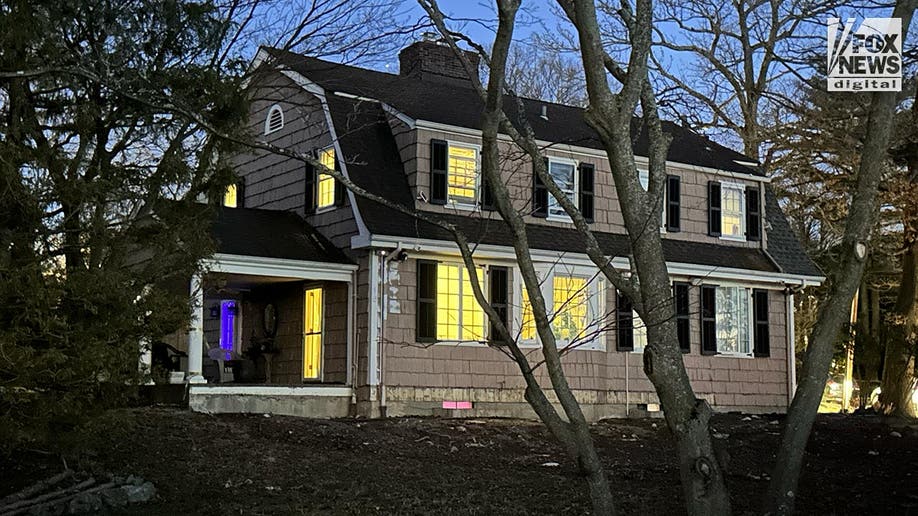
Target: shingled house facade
365	310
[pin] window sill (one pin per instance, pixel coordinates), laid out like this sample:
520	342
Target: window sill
461	206
324	209
458	343
733	238
733	355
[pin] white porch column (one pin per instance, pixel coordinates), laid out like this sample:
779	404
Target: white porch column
196	332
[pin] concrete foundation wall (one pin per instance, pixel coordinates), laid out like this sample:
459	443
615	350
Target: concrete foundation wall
284	405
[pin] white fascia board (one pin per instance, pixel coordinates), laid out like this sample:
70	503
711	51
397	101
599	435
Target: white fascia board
279	267
504	253
319	92
586	151
272	390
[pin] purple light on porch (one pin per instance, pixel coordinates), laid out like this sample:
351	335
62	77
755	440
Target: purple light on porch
227	327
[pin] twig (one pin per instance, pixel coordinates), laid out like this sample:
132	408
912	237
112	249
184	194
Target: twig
61	499
24	504
35	488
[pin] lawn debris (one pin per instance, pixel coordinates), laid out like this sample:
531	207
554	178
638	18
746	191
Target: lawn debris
72	493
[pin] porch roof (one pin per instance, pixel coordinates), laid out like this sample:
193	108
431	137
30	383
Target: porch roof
271	234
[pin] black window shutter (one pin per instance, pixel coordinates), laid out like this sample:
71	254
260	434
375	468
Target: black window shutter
499	287
240	193
714	208
753	214
587	190
311	187
708	320
340	190
487	195
673	204
539	193
438	171
681	299
427	301
625	323
761	346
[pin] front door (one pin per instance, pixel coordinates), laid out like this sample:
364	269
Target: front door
312	334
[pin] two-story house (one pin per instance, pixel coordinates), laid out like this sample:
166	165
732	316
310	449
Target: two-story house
362	309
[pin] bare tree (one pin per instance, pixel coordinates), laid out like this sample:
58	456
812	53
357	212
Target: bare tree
732	63
833	313
548	75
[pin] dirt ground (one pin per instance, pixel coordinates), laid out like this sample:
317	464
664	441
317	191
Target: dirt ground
253	464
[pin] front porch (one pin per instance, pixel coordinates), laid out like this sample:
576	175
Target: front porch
271	335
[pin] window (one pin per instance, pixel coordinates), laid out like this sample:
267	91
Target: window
732	206
275	120
733	320
312	333
644	178
230	199
575	303
640	333
562	171
571	307
229	330
453	173
459	316
325	193
462	177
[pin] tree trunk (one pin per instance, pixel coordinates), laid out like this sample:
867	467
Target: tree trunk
833	314
898	381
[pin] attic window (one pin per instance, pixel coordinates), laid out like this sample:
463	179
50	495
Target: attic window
275	120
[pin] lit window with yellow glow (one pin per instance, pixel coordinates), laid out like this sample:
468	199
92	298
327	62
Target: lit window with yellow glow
459	316
312	333
732	213
325	183
527	326
571	307
229	197
463	174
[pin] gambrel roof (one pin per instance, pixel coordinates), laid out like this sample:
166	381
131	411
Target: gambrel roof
365	137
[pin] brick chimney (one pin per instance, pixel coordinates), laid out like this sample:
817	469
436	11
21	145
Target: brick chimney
435	61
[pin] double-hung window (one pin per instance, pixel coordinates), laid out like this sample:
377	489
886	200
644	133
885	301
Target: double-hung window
454	174
733	211
459	316
733	320
325	183
462	174
564	173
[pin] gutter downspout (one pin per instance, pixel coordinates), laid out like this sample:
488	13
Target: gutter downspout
381	333
791	347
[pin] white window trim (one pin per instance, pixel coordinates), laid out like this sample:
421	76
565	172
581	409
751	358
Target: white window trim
749	322
465	205
576	198
484	279
742	189
644	173
271	110
596	292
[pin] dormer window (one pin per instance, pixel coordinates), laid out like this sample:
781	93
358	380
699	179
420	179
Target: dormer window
462	175
325	183
454	173
230	199
275	119
562	171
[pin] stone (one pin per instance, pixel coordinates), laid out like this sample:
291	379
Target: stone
139	493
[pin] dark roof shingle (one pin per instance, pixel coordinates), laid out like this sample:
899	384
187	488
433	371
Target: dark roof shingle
271	234
460	106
